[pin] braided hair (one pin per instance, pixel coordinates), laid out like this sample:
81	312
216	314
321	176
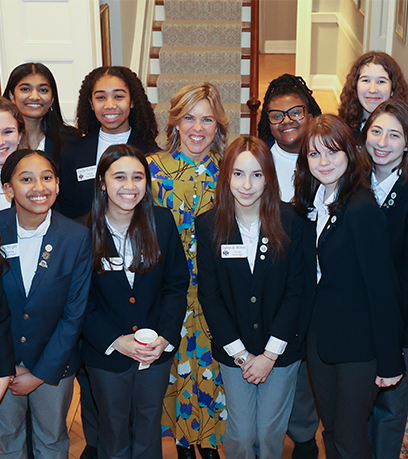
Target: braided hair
282	86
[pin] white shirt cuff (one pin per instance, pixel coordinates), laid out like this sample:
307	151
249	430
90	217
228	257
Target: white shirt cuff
169	348
110	349
233	348
276	345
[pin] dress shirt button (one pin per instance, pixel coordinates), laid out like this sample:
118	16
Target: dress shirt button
132	300
256	326
135	328
23	339
253	299
26	316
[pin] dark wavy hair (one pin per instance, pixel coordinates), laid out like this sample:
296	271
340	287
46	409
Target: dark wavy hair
9	166
282	86
394	108
52	123
269	212
142	229
350	108
141	116
335	135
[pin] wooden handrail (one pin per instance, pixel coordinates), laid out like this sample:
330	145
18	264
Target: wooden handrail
253	102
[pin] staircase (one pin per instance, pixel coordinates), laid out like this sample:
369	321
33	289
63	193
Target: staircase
201	40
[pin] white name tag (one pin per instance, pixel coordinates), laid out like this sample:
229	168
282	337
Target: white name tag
233	251
117	264
86	173
11	250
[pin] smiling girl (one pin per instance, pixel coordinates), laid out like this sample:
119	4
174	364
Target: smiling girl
385	140
112	109
32	87
355	334
140	280
47	289
11	131
250	286
374	78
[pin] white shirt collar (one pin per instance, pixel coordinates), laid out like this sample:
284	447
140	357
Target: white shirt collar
382	189
40	231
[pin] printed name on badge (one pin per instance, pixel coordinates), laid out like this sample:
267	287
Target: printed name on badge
86	173
11	250
233	251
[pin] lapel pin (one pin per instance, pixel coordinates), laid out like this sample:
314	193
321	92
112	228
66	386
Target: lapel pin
265	240
263	248
391	202
48	247
46	255
333	219
43	263
262	257
393	195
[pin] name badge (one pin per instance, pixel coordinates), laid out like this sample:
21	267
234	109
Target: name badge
11	250
117	264
233	251
86	173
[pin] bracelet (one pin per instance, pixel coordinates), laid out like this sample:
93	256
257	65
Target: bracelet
272	360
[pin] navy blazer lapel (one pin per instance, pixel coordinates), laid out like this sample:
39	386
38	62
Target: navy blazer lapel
399	191
48	255
9	236
262	259
328	229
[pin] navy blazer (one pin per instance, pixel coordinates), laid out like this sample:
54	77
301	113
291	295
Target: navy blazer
75	198
47	323
157	300
395	208
356	306
238	304
7	367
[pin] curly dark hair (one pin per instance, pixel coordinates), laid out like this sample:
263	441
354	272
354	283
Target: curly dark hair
52	123
284	85
335	135
141	117
350	108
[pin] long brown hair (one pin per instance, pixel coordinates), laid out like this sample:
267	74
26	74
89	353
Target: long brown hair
350	108
394	108
142	229
269	212
335	135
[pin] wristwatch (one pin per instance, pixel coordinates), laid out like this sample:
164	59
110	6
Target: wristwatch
240	360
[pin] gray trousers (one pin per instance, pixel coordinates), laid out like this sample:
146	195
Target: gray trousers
130	407
387	423
49	408
258	416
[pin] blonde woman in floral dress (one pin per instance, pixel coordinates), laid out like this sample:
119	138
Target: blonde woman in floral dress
184	180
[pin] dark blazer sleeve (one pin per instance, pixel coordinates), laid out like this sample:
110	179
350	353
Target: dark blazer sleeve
7	367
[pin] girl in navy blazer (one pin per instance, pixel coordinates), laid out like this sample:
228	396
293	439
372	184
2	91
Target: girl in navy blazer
32	87
140	280
112	109
250	278
384	140
47	286
355	336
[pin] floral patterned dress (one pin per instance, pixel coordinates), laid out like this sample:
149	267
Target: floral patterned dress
194	406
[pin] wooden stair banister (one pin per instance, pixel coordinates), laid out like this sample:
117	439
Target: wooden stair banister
253	102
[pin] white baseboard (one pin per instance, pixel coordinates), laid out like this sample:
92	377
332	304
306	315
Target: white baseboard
326	83
279	47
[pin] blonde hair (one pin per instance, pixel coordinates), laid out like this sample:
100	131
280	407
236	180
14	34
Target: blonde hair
182	102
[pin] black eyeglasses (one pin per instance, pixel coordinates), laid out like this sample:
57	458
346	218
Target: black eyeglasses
296	113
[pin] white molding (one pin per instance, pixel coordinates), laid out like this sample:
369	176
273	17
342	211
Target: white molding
303	38
96	39
326	83
280	47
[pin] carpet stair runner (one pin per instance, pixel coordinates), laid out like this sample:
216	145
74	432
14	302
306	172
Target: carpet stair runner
201	42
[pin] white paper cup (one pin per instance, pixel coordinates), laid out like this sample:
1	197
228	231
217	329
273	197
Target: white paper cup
145	336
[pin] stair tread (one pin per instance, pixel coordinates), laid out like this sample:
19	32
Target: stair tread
152	81
244	2
157	26
154	52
